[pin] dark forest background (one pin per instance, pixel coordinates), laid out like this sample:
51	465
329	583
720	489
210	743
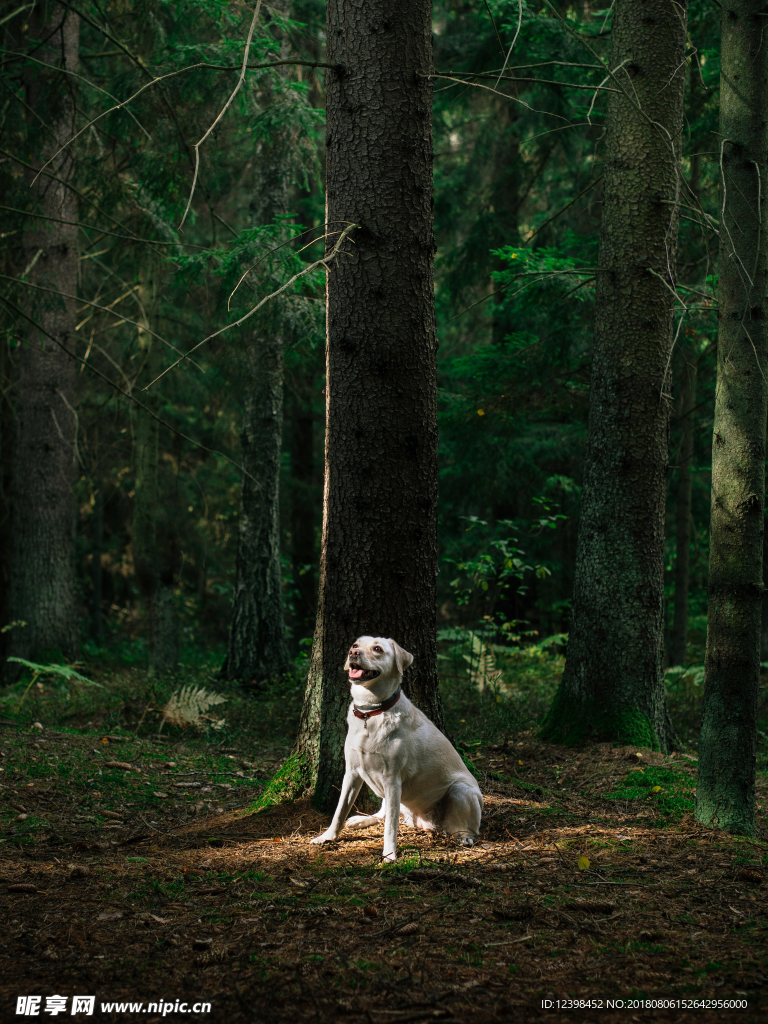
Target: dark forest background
518	175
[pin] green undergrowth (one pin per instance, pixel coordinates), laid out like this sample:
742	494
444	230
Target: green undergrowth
494	690
110	694
315	885
670	791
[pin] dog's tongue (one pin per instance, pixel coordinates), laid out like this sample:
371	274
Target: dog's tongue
356	673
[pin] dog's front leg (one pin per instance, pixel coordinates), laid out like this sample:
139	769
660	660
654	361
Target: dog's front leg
392	791
350	787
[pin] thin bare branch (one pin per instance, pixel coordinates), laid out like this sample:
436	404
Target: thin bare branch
554	216
116	387
523	67
512	45
222	112
236	323
505	95
80	78
498	37
275	249
589	274
81	195
94	227
96	305
19	10
175	74
539	81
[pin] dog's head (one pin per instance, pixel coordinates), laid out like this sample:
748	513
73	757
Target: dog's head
373	656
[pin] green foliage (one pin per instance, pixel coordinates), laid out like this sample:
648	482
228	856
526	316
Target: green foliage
62	671
137	182
549	265
123	699
14	697
518	199
501	565
494	685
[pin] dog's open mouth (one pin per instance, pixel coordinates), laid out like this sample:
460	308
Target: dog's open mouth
360	674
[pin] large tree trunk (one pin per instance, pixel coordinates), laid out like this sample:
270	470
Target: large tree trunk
379	557
257	651
42	566
725	796
303	547
679	642
153	550
613	684
8	378
97	542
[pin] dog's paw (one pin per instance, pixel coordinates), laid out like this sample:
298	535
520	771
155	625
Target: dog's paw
326	837
361	821
389	858
466	841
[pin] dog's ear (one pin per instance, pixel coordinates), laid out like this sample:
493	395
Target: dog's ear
402	658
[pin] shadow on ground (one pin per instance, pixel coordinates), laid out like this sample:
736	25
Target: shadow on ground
591	882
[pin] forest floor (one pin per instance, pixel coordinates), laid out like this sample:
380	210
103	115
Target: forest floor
131	870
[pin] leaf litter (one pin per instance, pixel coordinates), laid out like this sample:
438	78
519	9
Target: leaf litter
586	883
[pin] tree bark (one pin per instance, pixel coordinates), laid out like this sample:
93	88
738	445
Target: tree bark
153	550
8	379
303	547
379	554
42	585
97	543
725	795
679	641
257	651
613	684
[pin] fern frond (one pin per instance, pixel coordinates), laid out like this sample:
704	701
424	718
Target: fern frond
188	706
64	671
482	665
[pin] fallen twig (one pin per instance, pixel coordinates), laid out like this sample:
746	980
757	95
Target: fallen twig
510	942
414	917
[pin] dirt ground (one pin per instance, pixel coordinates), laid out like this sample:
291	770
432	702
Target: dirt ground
576	904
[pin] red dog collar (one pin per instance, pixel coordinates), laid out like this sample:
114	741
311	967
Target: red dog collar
384	706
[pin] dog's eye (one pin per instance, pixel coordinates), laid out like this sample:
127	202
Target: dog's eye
377	649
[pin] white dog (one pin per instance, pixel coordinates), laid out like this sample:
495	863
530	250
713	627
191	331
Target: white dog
400	754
